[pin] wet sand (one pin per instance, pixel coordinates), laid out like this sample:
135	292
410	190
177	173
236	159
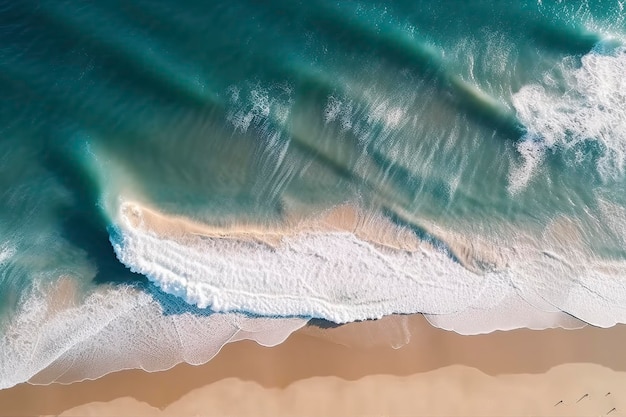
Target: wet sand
399	365
520	372
345	218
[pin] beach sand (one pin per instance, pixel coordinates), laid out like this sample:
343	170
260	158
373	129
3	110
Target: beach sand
520	372
399	365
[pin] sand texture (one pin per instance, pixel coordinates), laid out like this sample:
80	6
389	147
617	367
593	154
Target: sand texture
324	372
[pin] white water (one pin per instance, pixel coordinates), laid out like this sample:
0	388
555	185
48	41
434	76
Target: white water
338	277
578	103
114	329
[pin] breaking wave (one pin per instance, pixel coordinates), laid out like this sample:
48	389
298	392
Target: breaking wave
579	110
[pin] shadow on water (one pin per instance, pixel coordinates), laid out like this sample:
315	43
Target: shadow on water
422	234
81	219
82	231
323	324
82	222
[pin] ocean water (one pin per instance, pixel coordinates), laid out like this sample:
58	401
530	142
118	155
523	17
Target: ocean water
490	134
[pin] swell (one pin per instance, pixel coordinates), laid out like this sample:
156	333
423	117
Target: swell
402	51
542	24
142	58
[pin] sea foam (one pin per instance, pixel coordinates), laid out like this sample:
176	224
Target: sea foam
582	102
5	253
340	277
116	328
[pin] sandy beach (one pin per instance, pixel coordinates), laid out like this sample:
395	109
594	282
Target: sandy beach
399	365
325	372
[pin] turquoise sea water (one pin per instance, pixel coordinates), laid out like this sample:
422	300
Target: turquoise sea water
493	130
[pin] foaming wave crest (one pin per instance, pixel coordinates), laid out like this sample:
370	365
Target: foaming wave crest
255	109
342	277
588	105
117	328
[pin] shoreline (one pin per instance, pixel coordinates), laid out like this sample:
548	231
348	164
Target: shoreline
435	361
372	366
349	218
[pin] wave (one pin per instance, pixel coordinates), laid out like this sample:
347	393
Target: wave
338	276
6	252
383	140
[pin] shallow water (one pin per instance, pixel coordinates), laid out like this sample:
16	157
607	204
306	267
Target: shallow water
493	131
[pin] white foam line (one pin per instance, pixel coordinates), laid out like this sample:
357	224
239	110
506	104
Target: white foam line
348	279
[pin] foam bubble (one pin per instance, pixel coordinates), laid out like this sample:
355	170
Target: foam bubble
332	109
373	108
510	311
587	105
519	315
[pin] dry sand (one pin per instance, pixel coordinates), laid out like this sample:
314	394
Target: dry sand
520	372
